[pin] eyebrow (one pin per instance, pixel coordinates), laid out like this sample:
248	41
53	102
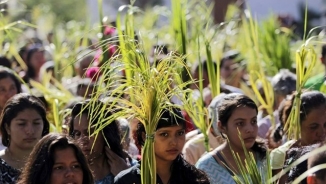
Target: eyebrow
64	163
166	130
21	119
255	117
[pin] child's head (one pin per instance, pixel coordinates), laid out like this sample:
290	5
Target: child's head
169	137
312	117
319	176
238	114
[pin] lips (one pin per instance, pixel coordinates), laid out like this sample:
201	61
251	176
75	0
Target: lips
249	139
30	139
172	151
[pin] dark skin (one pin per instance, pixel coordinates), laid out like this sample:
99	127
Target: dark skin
313	130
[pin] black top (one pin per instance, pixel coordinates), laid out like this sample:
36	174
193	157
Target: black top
182	172
8	174
132	176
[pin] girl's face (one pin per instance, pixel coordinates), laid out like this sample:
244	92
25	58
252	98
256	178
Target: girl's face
37	60
25	129
244	121
81	134
66	168
169	142
7	90
313	128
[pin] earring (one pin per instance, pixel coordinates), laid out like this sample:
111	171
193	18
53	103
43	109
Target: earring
8	139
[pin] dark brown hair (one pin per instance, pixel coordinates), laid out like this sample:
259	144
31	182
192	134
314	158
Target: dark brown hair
39	166
17	104
225	109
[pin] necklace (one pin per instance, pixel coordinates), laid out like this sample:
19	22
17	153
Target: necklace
91	160
14	159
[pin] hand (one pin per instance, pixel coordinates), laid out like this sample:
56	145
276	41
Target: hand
270	141
116	163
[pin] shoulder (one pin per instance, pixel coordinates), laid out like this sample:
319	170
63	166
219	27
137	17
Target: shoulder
131	175
194	142
205	161
282	149
2	153
215	172
277	156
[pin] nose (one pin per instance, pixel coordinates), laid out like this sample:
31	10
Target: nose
84	139
7	94
174	141
30	129
322	133
249	129
69	173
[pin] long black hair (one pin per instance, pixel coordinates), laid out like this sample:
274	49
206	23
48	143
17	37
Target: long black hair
39	166
17	104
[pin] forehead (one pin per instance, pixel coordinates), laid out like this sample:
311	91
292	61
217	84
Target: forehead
7	81
64	154
28	114
243	112
317	115
81	122
171	128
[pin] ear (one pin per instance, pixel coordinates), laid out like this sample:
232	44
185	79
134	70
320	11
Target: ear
7	129
220	127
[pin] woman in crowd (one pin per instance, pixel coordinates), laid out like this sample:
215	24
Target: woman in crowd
9	86
169	140
236	113
23	123
35	59
56	159
104	162
313	130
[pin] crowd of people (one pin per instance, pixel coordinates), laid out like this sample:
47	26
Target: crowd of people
31	154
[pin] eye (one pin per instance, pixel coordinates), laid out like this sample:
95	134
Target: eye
76	134
164	134
254	122
240	123
37	123
57	168
313	127
181	133
12	88
76	166
21	124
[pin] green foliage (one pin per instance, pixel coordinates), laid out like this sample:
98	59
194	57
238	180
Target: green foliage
63	10
305	62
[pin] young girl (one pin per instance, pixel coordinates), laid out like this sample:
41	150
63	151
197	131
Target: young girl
23	123
56	159
235	113
9	86
169	140
105	163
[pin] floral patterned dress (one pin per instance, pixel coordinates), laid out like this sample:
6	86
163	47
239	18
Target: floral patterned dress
8	174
